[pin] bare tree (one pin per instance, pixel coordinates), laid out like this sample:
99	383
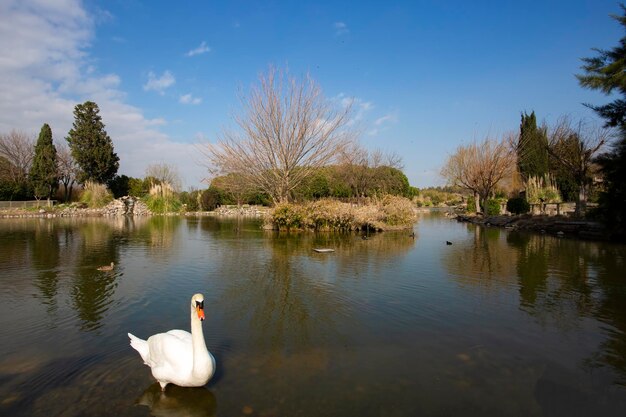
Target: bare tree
68	169
574	146
165	173
480	167
287	130
18	149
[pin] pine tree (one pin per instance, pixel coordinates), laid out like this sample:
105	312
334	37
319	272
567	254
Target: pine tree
91	147
532	148
43	172
606	72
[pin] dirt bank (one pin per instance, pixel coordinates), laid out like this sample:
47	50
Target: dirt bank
553	225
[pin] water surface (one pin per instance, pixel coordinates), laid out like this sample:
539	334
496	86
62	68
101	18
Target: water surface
498	323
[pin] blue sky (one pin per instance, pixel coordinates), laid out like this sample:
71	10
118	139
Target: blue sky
426	76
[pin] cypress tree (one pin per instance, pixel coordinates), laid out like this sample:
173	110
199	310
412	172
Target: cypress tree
91	146
43	172
532	148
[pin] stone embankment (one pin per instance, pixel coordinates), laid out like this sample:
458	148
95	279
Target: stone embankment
553	225
233	211
124	206
129	206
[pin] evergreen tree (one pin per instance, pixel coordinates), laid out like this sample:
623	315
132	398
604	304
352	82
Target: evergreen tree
606	72
532	148
43	172
91	147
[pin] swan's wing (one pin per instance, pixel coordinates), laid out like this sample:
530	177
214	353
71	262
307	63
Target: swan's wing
181	334
170	353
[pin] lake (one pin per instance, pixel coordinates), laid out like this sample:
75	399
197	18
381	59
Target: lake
498	323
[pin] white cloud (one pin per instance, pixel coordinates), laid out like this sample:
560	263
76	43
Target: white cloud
388	118
341	28
159	84
189	99
45	70
202	49
382	123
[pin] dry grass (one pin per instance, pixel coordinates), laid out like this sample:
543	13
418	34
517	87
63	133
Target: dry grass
95	195
391	212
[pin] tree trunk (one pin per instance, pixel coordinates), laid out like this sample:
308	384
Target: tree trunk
477	202
581	201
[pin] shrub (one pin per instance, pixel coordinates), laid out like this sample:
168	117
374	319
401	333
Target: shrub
517	205
471	204
398	211
329	215
210	199
542	190
162	199
326	214
190	199
492	207
95	195
288	216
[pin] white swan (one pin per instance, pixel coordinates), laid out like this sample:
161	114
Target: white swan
179	357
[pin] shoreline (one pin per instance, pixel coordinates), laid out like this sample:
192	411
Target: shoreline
559	226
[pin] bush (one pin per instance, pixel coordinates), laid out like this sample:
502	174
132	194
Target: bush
119	185
288	216
517	205
95	195
398	211
210	199
190	199
392	212
492	207
162	199
471	204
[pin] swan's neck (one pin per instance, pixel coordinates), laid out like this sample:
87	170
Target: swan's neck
201	359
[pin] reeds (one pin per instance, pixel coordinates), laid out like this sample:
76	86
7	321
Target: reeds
162	199
95	195
390	212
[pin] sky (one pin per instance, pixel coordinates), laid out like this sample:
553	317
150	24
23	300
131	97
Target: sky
425	76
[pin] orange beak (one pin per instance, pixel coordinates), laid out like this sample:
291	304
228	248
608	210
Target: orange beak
200	312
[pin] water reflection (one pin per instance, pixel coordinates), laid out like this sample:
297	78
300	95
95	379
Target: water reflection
504	323
177	401
46	251
560	283
480	260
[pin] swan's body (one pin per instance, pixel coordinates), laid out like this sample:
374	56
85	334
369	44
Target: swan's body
179	357
107	267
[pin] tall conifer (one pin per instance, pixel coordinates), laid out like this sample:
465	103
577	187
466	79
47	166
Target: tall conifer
43	172
532	148
91	146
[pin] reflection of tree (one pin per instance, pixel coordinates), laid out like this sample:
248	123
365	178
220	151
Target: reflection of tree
285	307
560	282
483	261
565	280
45	250
532	265
158	232
285	297
550	269
611	308
93	289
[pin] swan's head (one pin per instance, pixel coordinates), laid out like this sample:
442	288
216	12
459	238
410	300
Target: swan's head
197	303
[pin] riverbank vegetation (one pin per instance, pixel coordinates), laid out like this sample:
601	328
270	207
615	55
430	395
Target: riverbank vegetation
297	151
